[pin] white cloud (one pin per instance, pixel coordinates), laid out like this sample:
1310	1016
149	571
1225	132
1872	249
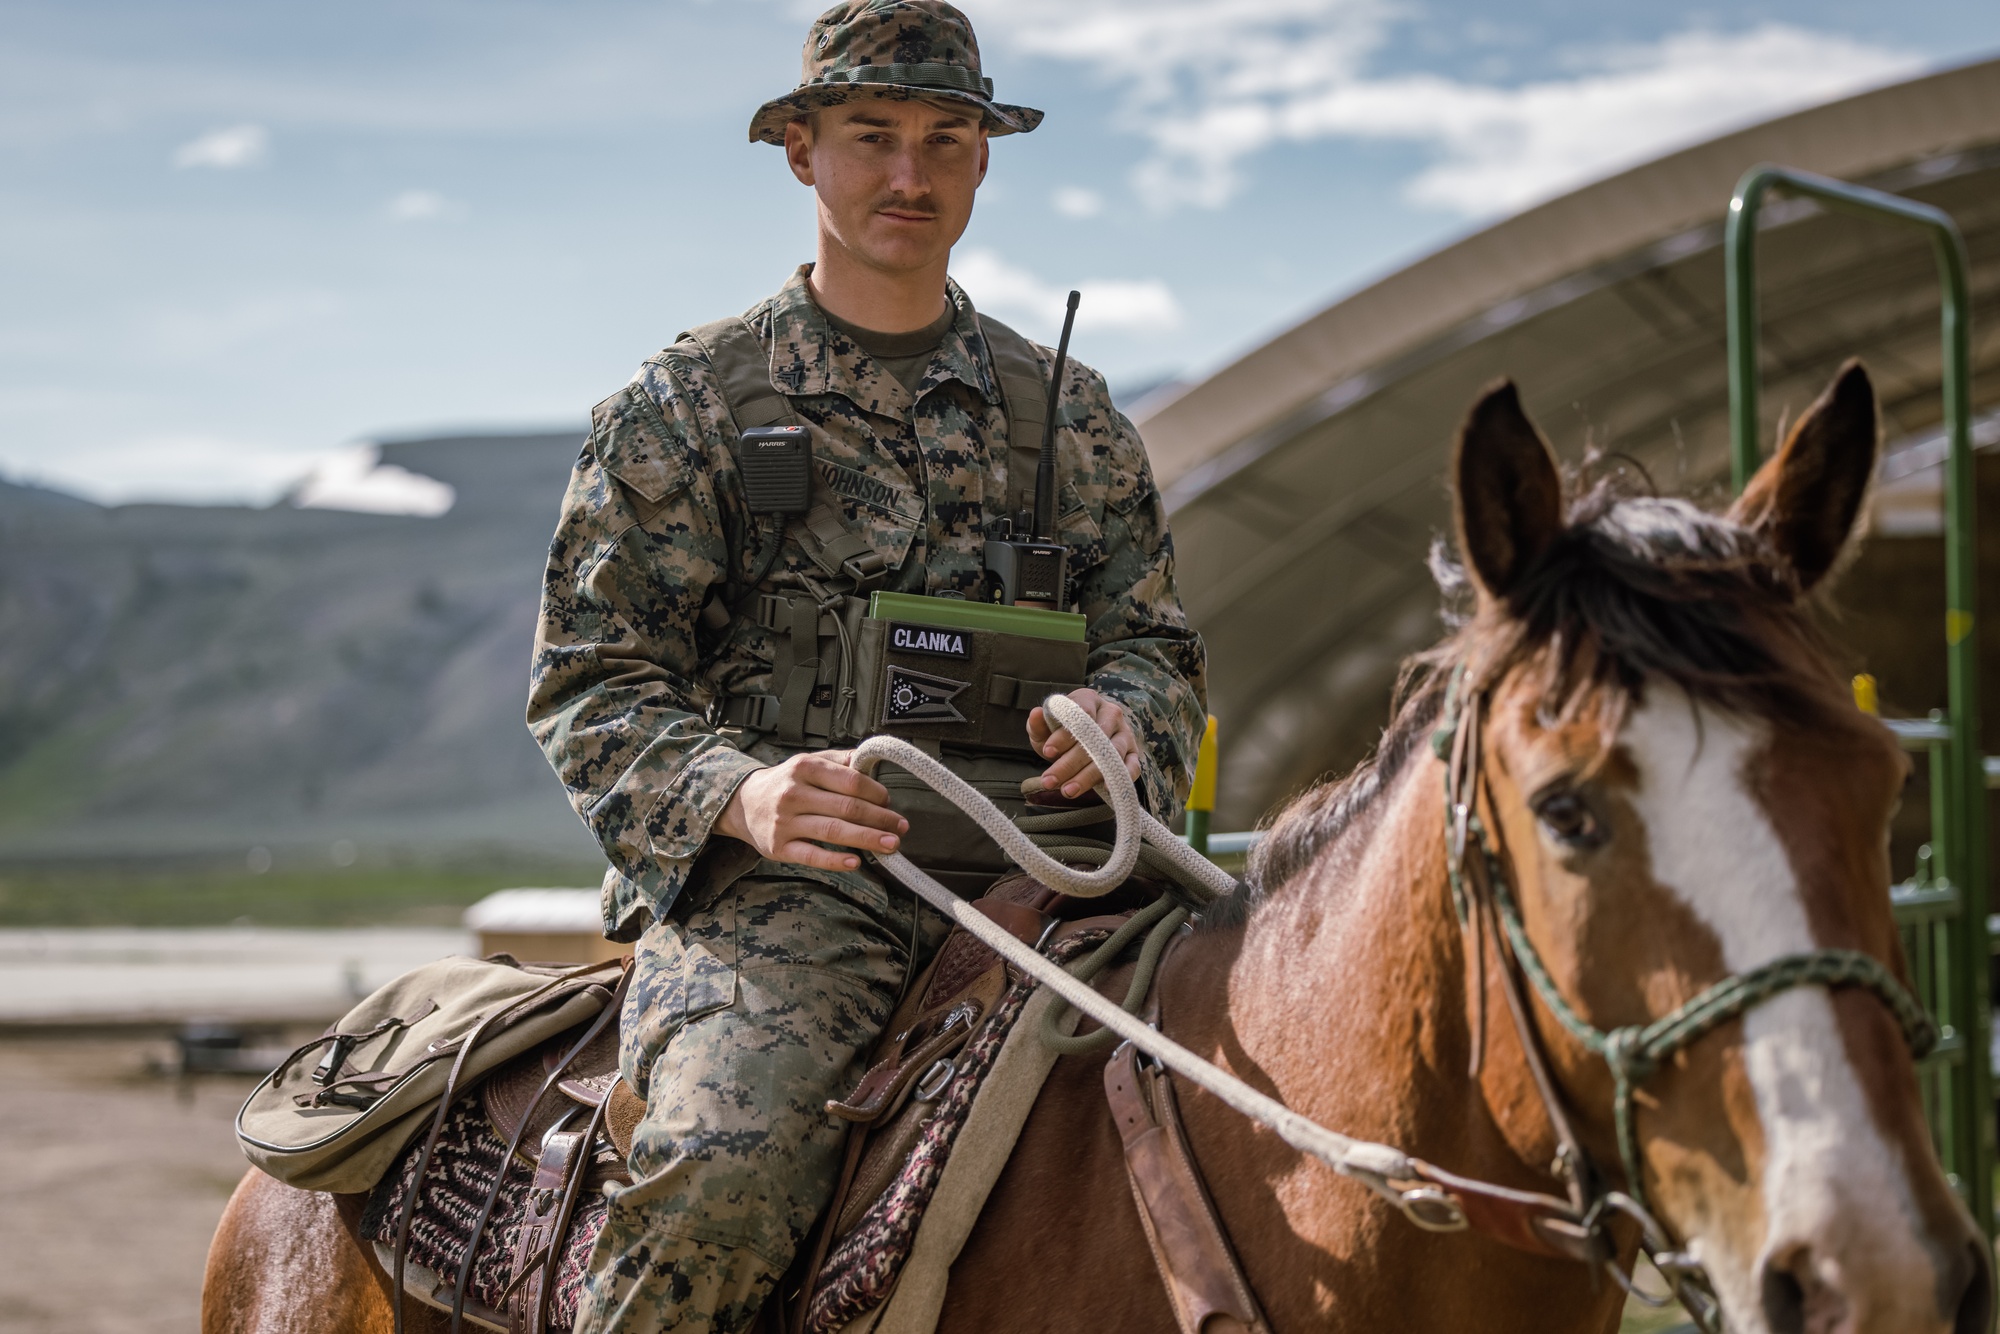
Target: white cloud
417	206
1073	201
1503	148
357	479
226	149
1108	303
1212	85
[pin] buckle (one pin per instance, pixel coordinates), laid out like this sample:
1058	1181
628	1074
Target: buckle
1432	1210
866	568
935	1079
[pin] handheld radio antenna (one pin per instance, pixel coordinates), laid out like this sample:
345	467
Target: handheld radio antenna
1045	469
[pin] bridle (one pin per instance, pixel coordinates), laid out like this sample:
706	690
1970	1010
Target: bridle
1484	900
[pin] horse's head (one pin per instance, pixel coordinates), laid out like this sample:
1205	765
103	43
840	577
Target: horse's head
1681	791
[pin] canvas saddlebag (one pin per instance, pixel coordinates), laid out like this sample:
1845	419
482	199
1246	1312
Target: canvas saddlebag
336	1113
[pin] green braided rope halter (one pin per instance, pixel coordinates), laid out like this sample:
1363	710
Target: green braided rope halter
1636	1051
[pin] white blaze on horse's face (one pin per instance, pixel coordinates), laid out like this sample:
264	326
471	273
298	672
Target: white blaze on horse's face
1843	1234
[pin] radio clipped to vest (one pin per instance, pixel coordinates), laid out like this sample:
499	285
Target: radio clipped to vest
1030	568
775	464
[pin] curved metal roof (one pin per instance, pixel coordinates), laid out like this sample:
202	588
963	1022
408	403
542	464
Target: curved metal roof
1306	478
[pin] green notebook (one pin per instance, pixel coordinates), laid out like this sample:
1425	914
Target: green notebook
959	614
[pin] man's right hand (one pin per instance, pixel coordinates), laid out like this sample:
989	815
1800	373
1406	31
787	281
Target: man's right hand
813	796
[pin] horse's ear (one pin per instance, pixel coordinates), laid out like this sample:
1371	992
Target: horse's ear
1805	500
1507	495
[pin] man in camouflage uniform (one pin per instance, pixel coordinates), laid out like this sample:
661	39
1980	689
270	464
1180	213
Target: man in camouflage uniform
769	956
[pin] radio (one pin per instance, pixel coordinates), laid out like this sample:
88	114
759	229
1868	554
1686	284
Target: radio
1032	570
775	465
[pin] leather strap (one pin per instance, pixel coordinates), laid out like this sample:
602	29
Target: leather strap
875	1095
1526	1220
490	1020
1204	1282
607	1017
540	1233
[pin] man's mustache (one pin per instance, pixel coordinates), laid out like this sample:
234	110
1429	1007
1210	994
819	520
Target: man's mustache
901	205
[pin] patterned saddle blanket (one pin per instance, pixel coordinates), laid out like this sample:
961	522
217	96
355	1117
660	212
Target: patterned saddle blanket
906	1116
909	1110
465	1172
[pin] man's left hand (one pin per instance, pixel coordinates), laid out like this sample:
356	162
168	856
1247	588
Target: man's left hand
1074	771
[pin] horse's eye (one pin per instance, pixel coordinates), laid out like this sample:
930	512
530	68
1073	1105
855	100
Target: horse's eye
1568	817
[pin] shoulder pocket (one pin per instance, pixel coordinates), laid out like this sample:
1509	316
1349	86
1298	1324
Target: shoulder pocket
635	445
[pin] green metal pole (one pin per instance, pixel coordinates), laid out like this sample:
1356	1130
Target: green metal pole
1961	536
1739	259
1963	804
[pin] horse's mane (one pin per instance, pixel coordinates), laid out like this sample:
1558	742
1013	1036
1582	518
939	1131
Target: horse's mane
1636	586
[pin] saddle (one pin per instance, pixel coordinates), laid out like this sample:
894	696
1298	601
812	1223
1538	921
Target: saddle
529	1221
907	1112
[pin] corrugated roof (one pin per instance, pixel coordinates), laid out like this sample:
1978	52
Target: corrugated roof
1305	478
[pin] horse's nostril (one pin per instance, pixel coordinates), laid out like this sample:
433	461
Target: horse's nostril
1975	1302
1784	1301
1797	1298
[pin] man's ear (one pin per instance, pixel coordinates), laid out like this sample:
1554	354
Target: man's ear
1806	499
798	149
1506	492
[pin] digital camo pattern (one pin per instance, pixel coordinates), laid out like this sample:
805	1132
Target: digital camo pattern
742	1020
890	48
654	527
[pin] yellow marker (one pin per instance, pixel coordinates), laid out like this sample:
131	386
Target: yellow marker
1957	625
1202	796
1865	696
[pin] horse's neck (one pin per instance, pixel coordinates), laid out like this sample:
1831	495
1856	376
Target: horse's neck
1350	987
1344	996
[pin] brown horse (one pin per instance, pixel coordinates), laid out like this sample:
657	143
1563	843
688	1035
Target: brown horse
1678	789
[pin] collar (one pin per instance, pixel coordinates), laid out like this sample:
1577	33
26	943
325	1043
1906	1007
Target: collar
809	356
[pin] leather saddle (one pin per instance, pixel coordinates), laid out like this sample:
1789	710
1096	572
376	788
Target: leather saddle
923	1052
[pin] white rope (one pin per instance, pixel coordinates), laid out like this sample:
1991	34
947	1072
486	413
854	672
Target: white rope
1373	1164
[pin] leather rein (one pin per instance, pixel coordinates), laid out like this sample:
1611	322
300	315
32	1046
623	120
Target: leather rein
1484	900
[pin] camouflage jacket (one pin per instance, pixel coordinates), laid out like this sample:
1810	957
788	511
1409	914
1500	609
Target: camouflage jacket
654	527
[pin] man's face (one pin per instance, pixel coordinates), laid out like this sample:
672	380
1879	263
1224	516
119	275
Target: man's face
895	179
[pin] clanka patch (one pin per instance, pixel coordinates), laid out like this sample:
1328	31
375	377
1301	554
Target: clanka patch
928	639
919	697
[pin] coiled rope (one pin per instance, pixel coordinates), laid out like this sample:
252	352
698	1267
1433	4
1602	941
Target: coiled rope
1377	1166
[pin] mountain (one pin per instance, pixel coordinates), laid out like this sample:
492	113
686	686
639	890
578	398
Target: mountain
201	680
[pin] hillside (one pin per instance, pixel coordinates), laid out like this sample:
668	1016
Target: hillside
180	680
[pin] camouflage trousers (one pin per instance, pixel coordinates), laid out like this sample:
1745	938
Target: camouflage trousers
747	1012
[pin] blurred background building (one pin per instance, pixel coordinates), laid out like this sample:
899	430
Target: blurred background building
1306	479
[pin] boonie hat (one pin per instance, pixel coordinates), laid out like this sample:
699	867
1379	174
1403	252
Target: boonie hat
900	49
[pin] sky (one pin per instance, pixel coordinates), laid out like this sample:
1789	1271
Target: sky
239	240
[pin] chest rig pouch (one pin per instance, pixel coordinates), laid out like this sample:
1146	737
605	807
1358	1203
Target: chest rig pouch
957	678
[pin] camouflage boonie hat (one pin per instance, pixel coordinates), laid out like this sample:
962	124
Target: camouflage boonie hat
901	49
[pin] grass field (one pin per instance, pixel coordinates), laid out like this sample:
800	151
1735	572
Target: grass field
195	894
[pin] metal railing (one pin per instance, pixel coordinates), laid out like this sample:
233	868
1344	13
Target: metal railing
1942	910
